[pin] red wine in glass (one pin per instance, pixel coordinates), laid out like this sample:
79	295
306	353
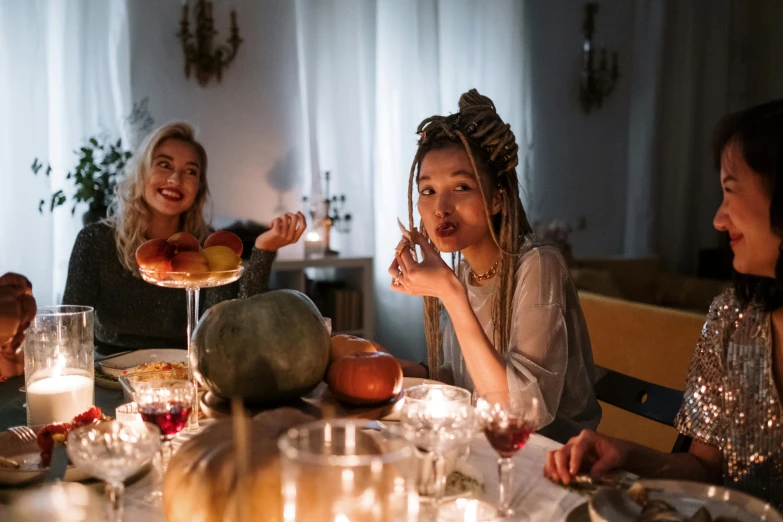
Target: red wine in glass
509	437
170	417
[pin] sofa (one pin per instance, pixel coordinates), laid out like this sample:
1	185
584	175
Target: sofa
643	322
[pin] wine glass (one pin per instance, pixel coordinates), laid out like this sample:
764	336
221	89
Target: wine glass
113	451
437	419
166	403
507	421
192	283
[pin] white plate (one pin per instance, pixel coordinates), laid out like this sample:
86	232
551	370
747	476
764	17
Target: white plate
687	497
116	365
407	382
29	456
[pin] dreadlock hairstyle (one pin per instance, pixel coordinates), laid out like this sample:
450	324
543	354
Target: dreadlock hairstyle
492	151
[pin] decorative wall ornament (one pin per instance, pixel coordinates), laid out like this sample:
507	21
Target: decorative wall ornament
200	51
596	83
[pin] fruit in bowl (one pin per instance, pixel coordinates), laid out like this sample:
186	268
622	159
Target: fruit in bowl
181	258
224	238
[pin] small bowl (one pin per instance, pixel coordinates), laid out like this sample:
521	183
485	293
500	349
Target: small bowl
128	381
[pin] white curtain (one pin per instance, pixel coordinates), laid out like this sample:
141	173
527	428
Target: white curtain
371	71
688	72
66	70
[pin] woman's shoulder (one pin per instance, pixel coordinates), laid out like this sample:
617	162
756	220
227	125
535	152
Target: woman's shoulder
537	257
96	235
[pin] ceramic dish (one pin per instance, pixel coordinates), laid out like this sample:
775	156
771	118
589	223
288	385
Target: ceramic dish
116	365
28	455
687	497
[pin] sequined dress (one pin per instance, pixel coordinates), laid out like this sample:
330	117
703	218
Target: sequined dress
731	401
131	313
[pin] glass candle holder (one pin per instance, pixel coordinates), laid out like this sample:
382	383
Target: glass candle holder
467	510
59	364
344	471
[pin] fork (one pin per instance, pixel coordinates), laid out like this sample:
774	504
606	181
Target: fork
23	433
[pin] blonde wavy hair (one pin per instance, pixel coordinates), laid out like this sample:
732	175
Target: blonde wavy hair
129	214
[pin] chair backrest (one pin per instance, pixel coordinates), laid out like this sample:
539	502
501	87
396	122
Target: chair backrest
645	352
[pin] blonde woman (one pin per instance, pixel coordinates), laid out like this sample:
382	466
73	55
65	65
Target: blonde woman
507	318
165	192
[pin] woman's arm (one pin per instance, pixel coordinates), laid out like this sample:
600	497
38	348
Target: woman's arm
596	454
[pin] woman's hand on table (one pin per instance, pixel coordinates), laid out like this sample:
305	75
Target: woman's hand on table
430	277
285	230
587	452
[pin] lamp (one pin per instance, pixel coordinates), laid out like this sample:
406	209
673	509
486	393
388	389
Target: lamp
596	83
199	48
334	216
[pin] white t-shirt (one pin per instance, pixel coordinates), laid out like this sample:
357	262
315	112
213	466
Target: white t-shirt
549	354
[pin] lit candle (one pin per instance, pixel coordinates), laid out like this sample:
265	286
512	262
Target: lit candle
59	398
314	245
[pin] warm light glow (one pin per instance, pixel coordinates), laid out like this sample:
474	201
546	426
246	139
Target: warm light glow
341	518
313	236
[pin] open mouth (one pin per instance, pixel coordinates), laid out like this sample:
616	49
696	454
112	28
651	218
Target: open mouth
446	229
735	238
170	194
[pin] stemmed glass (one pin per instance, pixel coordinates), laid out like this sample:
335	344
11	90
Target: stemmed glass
436	419
166	403
113	451
192	283
507	421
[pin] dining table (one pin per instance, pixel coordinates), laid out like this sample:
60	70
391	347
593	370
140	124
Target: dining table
534	497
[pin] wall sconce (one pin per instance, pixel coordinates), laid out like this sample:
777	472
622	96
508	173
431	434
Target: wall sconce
201	54
596	83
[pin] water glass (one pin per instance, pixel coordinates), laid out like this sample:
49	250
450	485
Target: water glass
437	419
344	471
113	451
59	364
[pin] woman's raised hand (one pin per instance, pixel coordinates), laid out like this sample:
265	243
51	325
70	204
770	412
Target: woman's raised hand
429	277
285	230
17	311
587	452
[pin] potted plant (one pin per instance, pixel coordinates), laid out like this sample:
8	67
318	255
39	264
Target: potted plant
101	162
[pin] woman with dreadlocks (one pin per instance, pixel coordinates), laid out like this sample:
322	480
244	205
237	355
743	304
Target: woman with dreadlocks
506	315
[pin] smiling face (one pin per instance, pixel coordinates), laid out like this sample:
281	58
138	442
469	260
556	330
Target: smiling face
744	214
174	176
450	202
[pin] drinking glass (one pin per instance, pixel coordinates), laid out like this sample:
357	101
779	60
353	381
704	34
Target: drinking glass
342	470
507	421
166	403
437	419
113	451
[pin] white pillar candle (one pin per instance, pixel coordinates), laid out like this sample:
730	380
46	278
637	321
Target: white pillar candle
58	399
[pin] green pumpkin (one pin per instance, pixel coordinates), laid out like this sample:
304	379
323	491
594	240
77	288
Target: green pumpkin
269	347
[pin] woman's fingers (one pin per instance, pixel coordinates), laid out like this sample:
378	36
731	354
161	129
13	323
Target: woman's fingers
562	457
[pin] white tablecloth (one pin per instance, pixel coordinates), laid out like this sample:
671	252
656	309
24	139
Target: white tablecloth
535	498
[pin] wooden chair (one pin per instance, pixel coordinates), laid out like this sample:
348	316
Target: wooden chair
644	352
650	401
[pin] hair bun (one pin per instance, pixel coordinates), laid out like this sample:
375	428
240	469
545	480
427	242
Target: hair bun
473	100
480	122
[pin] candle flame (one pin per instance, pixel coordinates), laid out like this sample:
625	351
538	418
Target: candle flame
312	236
59	365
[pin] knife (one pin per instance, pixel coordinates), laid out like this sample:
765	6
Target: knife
59	463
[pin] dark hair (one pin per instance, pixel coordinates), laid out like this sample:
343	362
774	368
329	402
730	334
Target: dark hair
758	132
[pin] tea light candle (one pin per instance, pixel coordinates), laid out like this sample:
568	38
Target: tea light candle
314	244
59	398
467	510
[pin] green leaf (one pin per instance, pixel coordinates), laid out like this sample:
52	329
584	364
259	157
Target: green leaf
48	169
94	142
40	206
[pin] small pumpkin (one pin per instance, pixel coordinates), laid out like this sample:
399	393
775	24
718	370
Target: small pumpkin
343	345
269	347
201	479
365	378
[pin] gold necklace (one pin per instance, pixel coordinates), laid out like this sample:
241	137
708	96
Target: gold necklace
489	274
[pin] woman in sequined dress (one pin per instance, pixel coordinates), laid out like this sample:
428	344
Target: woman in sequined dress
165	192
732	405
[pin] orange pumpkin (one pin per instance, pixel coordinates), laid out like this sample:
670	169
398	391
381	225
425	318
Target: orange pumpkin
343	345
365	378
